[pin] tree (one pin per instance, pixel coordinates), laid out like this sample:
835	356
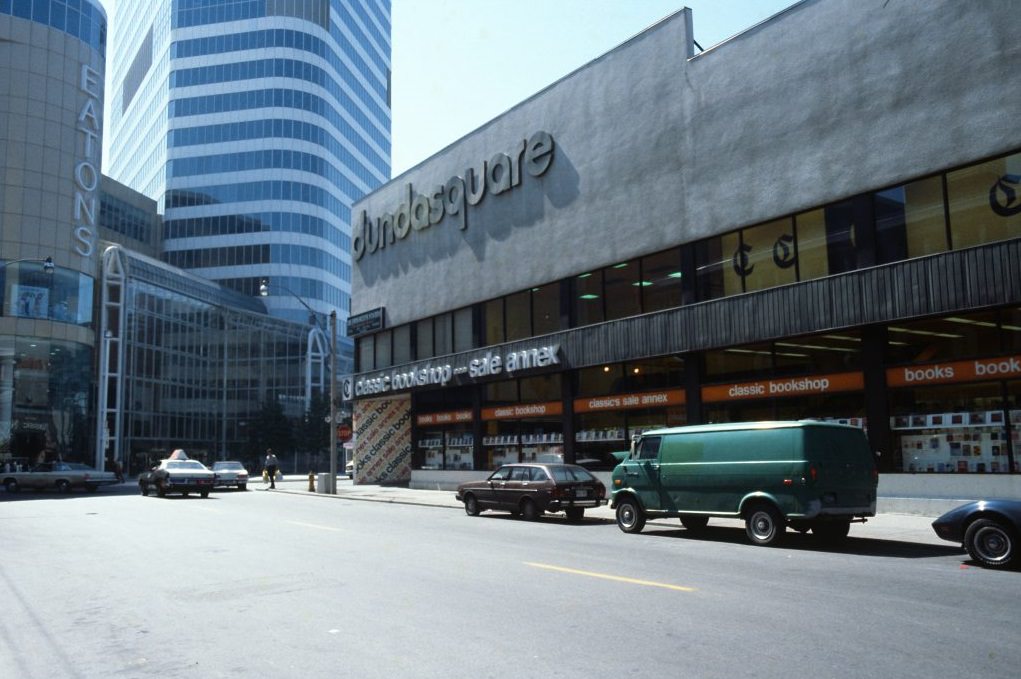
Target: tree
270	428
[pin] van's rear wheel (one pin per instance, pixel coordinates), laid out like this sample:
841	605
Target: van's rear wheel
630	517
764	525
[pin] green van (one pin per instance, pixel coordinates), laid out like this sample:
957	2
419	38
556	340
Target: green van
804	474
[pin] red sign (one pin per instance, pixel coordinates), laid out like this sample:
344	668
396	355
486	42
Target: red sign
523	410
955	371
791	386
650	399
444	418
344	432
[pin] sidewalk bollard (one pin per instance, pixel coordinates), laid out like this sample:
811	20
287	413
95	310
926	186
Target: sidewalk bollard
311	482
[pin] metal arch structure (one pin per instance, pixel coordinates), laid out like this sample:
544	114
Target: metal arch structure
109	414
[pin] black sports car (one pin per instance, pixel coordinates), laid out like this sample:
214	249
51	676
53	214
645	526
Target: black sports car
988	529
177	476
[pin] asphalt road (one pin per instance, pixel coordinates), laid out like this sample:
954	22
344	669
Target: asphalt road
259	584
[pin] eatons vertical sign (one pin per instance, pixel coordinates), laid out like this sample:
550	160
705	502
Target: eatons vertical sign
417	212
86	170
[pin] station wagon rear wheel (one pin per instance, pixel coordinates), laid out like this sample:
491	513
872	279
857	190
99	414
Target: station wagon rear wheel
529	510
630	517
471	505
991	543
764	525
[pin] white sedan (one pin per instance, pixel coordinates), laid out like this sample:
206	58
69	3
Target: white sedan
230	473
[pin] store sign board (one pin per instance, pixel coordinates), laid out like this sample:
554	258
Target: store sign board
472	367
955	371
521	410
444	418
780	388
365	322
417	212
651	399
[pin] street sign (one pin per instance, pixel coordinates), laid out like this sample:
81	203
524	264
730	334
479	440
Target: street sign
344	432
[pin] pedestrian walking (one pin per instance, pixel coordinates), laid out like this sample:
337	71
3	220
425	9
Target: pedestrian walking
271	467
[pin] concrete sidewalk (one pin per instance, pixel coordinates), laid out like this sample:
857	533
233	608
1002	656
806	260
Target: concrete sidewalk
900	527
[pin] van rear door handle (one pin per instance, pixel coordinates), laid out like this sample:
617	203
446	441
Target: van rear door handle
636	474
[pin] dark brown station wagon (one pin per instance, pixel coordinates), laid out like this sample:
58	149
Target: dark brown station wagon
528	490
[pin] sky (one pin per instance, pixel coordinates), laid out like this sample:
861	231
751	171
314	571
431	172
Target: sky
458	64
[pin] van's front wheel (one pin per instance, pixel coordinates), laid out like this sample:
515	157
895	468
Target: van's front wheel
630	517
764	525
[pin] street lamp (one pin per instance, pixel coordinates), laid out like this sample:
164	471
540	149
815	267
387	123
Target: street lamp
314	320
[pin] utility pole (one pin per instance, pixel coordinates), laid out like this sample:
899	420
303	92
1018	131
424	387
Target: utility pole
333	403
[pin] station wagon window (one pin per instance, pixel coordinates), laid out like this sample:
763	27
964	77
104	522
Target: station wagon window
649	448
537	474
501	474
521	474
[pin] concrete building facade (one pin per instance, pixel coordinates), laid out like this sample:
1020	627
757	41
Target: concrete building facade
814	218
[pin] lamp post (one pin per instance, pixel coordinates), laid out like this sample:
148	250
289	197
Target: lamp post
314	319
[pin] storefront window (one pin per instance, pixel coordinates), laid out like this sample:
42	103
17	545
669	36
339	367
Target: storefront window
1014	416
45	416
752	360
540	388
661	281
943	339
985	202
464	336
518	316
588	298
64	295
834	352
653	373
604	379
1010	324
769	253
546	309
950	429
910	221
623	290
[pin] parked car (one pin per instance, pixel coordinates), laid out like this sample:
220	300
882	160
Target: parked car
529	490
230	473
60	476
349	469
177	476
988	529
808	475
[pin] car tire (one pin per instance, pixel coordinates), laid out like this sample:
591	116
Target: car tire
11	486
764	525
575	513
991	543
161	489
143	488
630	517
529	510
242	486
471	505
63	486
204	493
831	531
694	523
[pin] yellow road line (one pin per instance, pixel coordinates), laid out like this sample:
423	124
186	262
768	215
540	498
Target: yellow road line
616	578
314	525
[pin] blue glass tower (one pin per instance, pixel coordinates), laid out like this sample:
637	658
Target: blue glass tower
255	124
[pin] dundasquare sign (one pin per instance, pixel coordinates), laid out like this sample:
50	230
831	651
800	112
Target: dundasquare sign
418	212
471	368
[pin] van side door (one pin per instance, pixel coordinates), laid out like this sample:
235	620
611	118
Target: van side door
643	473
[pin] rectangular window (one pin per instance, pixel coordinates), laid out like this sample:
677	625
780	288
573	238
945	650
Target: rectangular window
383	349
985	202
366	347
910	221
546	309
736	363
661	281
493	318
830	353
463	335
622	289
715	275
588	298
769	252
424	344
519	315
443	331
942	339
601	380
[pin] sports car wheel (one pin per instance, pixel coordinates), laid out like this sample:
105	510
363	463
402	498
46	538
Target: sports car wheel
143	488
991	543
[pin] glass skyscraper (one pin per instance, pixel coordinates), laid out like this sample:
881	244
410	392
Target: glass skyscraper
254	124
